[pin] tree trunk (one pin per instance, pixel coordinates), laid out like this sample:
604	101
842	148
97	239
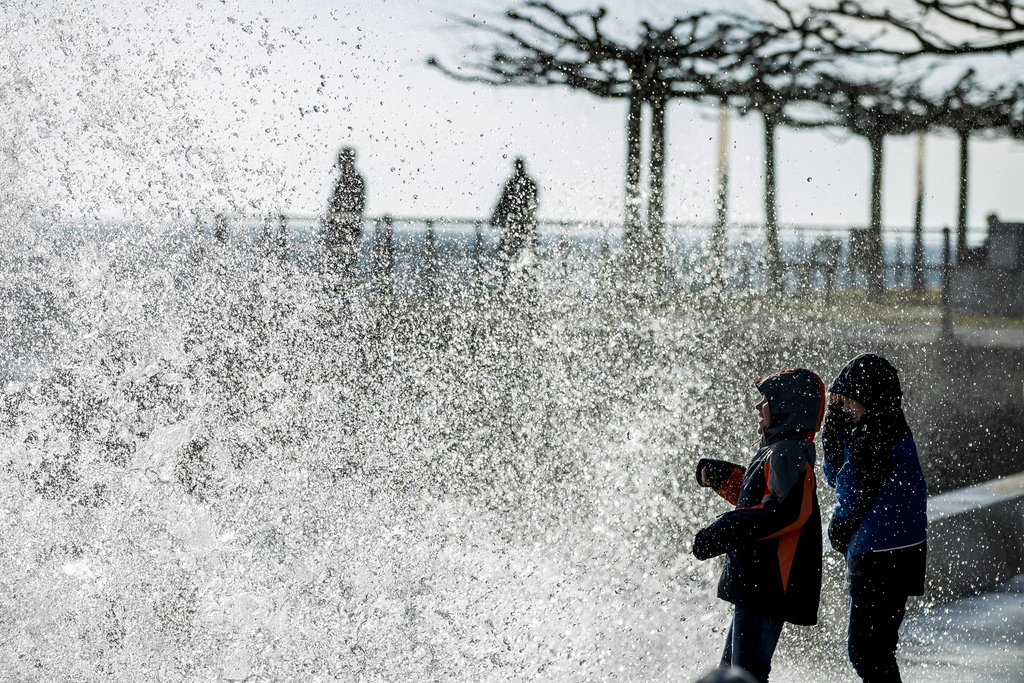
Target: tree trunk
917	269
875	265
961	221
773	255
718	242
656	203
632	237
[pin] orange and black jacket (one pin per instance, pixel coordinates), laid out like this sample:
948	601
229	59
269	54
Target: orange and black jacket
772	539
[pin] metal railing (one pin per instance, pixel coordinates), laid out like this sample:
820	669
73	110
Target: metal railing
432	251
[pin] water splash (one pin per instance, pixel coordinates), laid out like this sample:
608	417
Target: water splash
236	469
219	464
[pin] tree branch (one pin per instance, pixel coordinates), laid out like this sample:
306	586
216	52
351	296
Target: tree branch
934	27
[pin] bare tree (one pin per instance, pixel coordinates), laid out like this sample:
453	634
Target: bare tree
540	45
1013	110
874	110
770	100
712	57
762	58
968	109
778	70
943	28
913	27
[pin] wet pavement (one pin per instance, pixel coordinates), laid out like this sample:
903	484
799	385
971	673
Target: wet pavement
1009	336
971	640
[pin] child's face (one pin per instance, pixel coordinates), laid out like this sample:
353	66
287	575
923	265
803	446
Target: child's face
853	408
764	415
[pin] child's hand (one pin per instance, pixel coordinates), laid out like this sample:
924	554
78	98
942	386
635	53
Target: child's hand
702	473
840	531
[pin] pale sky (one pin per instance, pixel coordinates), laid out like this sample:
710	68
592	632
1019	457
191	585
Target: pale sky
268	91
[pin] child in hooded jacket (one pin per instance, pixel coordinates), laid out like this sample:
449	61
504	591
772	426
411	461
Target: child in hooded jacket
880	519
772	537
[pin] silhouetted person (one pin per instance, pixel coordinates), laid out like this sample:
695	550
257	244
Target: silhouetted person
344	220
516	214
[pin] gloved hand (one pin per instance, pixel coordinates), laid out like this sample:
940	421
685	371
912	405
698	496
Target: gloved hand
700	546
840	531
718	471
834	428
701	464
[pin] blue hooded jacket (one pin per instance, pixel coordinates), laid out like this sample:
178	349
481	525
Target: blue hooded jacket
881	493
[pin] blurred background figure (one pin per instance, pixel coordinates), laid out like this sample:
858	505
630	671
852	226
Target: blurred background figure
344	220
220	228
516	215
730	674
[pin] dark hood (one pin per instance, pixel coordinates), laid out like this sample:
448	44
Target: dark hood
796	399
872	381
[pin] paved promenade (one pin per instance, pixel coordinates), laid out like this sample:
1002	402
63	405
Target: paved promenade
977	639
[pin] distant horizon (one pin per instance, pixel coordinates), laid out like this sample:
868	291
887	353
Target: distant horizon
303	222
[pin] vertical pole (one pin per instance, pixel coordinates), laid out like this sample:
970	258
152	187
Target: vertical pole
947	321
632	241
656	204
282	237
478	252
875	252
220	228
429	256
388	246
282	231
718	242
266	241
961	220
748	266
773	276
384	254
918	256
900	267
606	267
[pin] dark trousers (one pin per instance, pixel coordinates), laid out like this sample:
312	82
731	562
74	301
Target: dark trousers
751	642
875	618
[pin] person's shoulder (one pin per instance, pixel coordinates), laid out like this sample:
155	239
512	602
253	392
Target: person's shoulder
905	450
790	454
